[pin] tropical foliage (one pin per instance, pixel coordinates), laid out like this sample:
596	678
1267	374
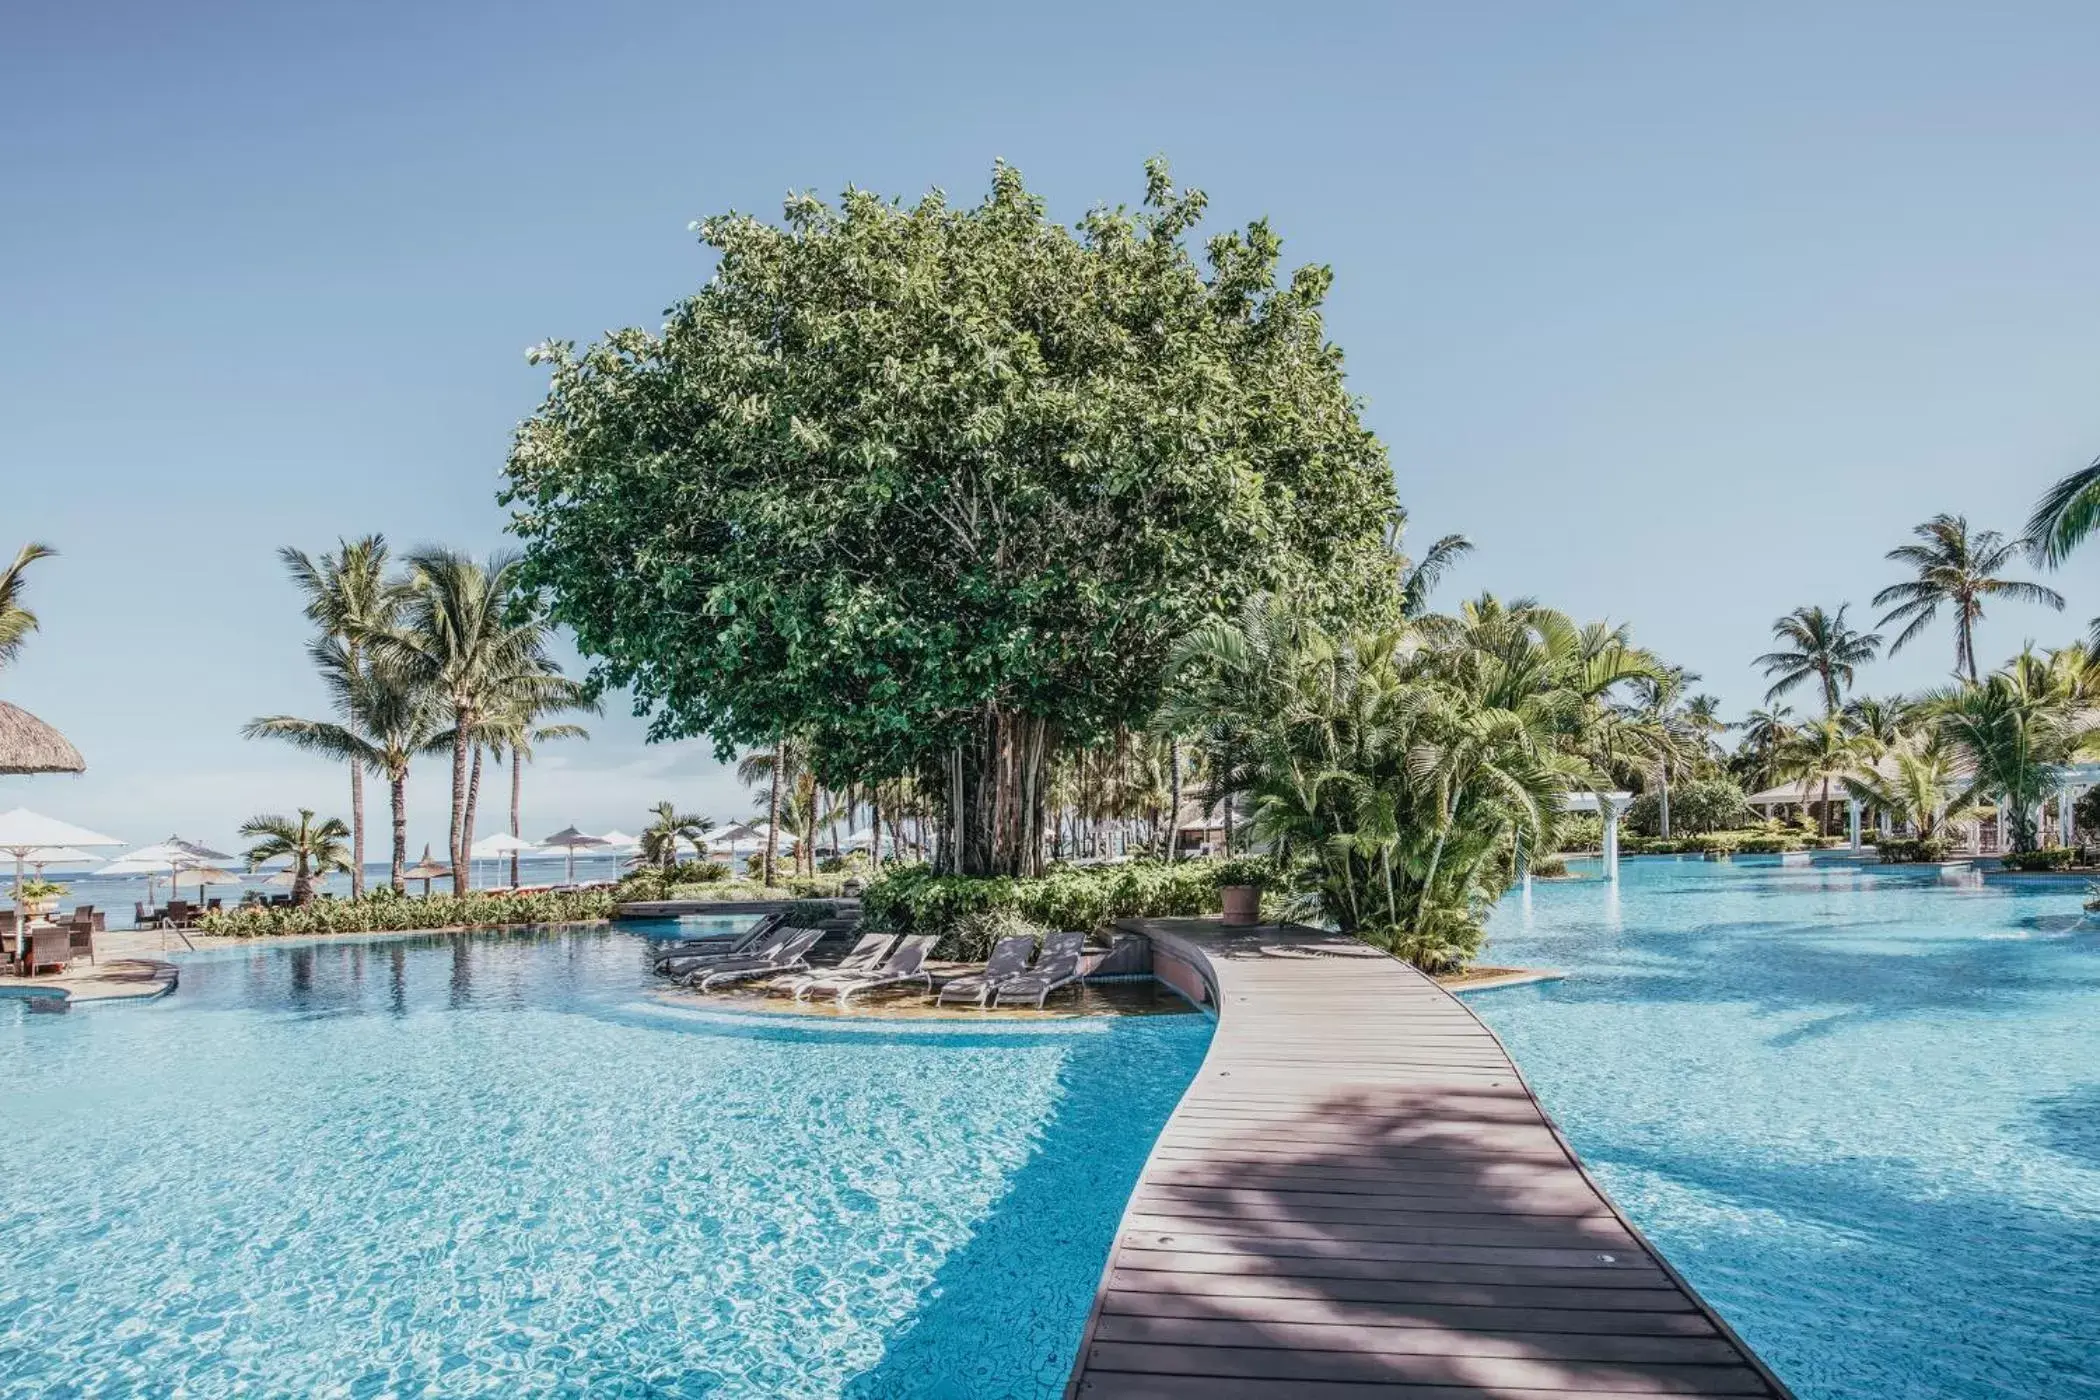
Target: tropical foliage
315	849
914	898
16	620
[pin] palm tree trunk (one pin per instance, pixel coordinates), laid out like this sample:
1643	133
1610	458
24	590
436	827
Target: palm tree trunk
357	830
1965	647
459	801
466	835
1664	770
1174	800
517	782
875	829
302	883
772	856
397	794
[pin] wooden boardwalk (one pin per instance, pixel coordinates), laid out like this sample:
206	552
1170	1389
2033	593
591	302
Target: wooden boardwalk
1360	1197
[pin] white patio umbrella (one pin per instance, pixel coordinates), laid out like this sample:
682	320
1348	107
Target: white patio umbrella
55	855
497	846
168	858
620	841
23	831
572	840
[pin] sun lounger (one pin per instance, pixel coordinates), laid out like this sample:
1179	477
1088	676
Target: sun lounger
681	958
865	956
1057	967
906	964
1009	959
785	956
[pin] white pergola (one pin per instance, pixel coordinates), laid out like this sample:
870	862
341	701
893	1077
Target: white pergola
1609	806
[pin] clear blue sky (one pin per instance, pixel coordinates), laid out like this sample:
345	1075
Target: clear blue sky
1685	313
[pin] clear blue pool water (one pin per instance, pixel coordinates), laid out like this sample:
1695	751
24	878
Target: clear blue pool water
487	1165
1858	1108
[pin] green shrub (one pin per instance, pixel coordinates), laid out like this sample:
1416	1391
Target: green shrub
1899	850
818	886
1696	807
808	913
1549	867
2045	858
388	913
912	899
974	934
1258	871
1761	843
1578	831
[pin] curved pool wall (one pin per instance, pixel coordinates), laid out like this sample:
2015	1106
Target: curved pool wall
488	1165
1858	1107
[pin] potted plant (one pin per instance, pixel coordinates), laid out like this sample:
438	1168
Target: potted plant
1241	881
40	897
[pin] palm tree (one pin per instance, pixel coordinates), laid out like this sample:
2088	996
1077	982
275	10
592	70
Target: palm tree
386	720
782	770
349	598
1418	579
314	848
1824	752
2067	513
1923	786
459	638
659	840
1817	644
2013	729
1660	729
516	730
1884	721
1957	570
16	621
1764	731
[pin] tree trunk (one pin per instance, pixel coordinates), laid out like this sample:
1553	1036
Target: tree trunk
772	854
875	829
466	835
997	797
357	829
1174	800
459	800
1228	823
302	883
1664	770
397	795
517	783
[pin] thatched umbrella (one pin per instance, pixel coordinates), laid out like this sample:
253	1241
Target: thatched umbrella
426	870
28	745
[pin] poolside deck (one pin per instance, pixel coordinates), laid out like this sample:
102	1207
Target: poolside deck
1359	1196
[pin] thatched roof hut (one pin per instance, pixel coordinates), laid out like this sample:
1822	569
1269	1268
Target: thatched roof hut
28	745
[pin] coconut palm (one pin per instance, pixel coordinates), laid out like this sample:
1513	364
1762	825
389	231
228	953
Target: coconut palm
515	730
2067	513
460	637
315	848
659	840
1920	783
1764	731
1817	645
349	598
1881	720
385	720
2013	730
16	621
1824	753
1418	579
1956	570
1660	730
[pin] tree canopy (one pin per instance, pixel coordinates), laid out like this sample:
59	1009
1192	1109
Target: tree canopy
928	481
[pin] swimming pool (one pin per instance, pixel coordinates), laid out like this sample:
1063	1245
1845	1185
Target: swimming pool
1857	1107
489	1165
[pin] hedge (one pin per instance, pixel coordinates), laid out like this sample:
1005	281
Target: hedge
2046	858
915	900
387	912
1899	850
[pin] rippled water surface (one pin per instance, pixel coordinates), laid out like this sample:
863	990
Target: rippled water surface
485	1165
1860	1109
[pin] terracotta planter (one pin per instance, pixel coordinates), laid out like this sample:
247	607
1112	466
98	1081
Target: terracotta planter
1242	906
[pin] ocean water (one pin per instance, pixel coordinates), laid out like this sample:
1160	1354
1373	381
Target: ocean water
1859	1108
489	1165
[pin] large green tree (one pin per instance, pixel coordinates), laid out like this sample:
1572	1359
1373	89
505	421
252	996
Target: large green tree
939	487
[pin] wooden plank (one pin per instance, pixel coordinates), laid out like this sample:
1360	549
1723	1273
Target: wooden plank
1358	1195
